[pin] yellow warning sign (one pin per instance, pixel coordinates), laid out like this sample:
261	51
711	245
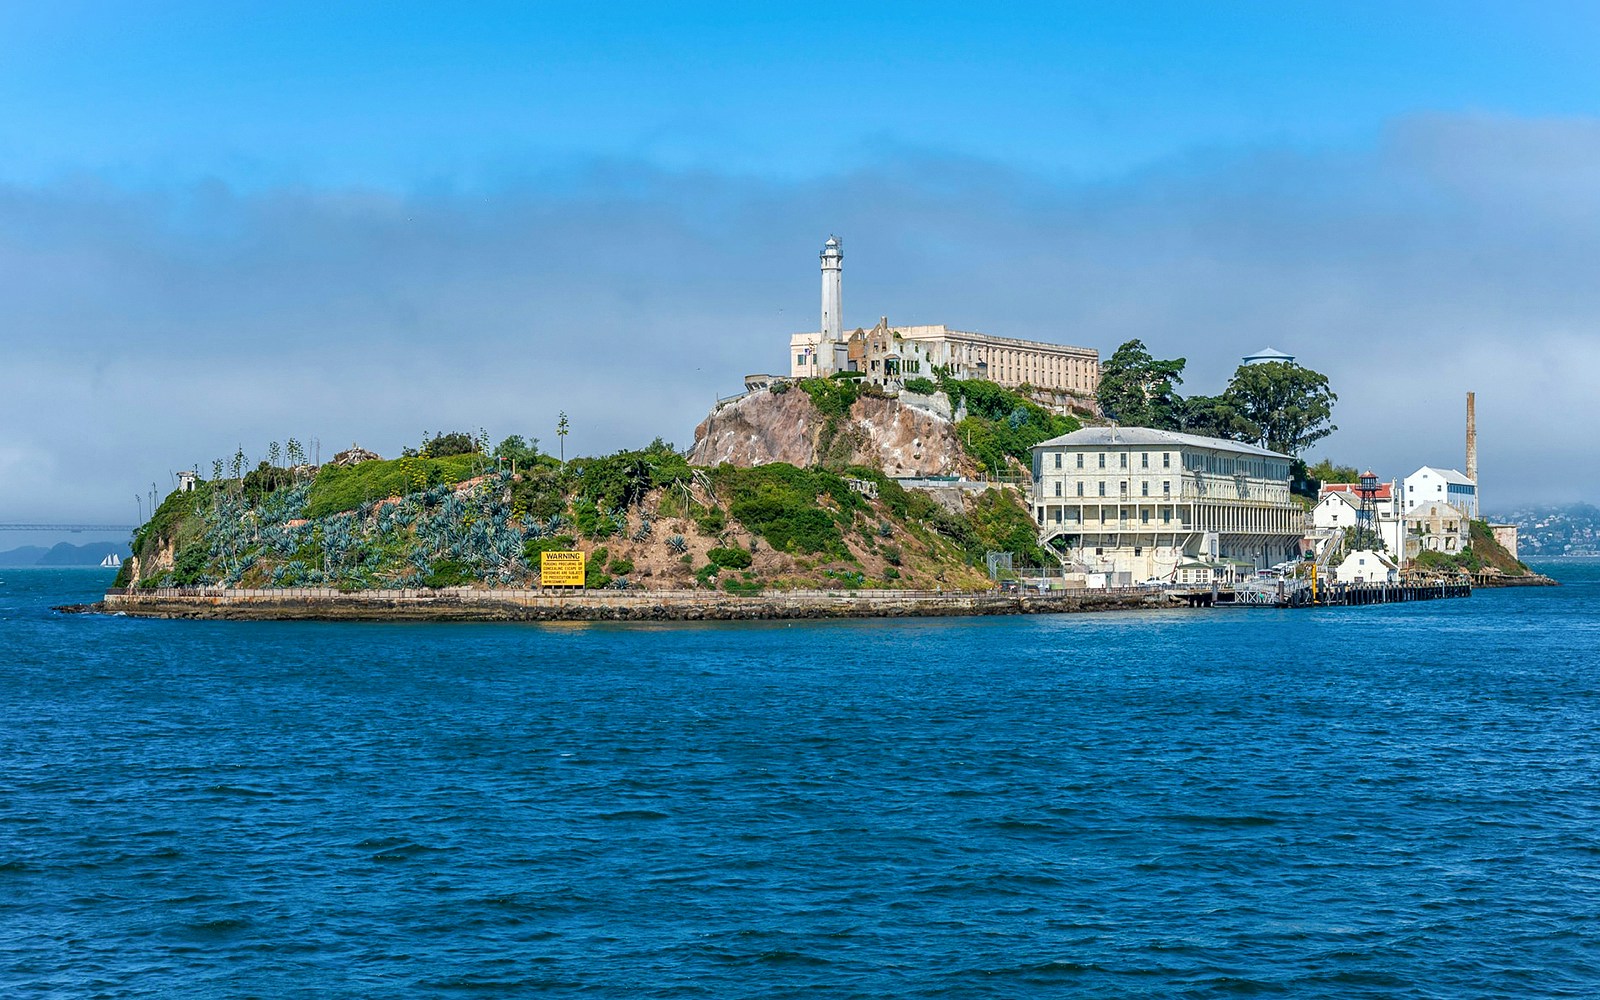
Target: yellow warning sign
561	569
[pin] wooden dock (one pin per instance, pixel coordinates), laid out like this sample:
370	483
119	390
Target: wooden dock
1302	594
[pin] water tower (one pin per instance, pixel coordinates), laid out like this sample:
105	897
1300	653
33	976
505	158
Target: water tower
1367	513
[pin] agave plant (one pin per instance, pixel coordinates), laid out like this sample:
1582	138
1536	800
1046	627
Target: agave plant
677	544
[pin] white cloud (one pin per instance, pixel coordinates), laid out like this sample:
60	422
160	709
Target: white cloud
144	331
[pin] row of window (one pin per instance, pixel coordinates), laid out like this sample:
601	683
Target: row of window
1144	488
1144	460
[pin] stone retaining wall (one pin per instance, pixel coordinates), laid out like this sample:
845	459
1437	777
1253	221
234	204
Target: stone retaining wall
531	605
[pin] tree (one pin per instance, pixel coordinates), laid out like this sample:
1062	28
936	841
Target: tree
1211	416
561	432
517	451
1326	472
1281	405
1137	389
274	454
453	443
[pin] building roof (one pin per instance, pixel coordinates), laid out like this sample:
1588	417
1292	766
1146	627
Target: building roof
1114	435
1454	477
1267	354
1383	492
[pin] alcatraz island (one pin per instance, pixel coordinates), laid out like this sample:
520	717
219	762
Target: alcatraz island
894	470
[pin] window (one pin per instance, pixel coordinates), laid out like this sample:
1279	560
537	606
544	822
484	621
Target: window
1166	488
1080	459
1058	487
1124	488
1144	460
1058	459
1080	488
1102	487
1144	515
800	359
1102	460
1124	457
1166	515
1138	550
1144	488
1099	552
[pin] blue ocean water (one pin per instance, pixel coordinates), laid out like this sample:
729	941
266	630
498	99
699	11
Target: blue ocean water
1398	801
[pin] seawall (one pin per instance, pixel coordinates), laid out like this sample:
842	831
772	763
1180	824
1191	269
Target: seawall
464	604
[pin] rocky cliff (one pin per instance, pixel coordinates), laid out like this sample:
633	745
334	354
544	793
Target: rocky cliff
901	438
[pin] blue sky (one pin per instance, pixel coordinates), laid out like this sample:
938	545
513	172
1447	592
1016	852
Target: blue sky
371	220
399	95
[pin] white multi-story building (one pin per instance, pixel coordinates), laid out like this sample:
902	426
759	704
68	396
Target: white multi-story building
887	355
1339	506
1451	486
1139	503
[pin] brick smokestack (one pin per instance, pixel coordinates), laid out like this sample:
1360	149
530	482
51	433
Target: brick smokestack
1472	437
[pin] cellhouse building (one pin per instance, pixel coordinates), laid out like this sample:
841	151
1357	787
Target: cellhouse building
888	354
1140	504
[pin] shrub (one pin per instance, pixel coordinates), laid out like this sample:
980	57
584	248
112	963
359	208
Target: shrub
741	586
733	558
442	445
925	386
779	503
448	573
620	567
832	397
711	522
707	574
533	548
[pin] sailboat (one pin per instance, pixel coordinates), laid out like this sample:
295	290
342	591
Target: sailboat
111	561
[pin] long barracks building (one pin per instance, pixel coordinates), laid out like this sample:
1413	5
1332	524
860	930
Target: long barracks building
1141	503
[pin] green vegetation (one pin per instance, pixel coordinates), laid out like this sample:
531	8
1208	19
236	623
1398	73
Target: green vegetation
1281	405
1277	404
779	503
465	519
1326	472
1001	425
730	558
1001	524
925	386
1482	553
832	397
1139	390
340	488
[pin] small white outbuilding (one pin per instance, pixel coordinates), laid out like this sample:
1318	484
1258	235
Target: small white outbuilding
1366	566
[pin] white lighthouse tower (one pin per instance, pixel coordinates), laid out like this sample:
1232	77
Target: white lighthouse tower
831	352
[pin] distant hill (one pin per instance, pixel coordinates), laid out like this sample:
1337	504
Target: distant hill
1570	530
62	554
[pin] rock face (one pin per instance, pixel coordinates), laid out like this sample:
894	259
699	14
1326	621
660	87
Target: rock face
764	427
355	455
